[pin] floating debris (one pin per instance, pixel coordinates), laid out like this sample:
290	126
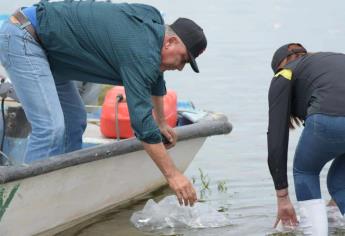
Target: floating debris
169	214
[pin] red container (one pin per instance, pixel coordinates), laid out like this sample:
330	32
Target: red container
108	113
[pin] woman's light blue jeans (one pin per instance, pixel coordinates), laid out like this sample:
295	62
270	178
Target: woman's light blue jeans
54	108
322	140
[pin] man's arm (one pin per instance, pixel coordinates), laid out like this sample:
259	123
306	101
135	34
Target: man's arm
158	109
138	95
177	181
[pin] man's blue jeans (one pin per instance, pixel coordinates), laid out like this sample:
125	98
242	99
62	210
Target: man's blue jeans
54	109
322	140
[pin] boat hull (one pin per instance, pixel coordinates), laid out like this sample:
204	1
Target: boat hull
51	202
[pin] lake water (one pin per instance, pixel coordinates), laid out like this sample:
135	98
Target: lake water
234	79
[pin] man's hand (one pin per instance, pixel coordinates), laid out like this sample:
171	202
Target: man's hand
183	189
169	134
177	182
165	129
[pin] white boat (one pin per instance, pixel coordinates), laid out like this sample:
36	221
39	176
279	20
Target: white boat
52	195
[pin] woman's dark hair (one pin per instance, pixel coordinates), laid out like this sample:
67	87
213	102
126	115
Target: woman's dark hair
297	50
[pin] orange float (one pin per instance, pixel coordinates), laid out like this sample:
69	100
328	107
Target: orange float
108	119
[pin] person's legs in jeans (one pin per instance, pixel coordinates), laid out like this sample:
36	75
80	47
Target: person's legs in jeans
308	161
74	114
27	66
322	139
336	182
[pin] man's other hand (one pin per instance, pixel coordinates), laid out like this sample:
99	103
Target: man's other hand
169	134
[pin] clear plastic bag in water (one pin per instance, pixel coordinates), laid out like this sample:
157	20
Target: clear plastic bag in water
282	230
169	214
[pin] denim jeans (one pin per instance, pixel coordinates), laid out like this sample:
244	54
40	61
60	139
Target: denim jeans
322	140
54	109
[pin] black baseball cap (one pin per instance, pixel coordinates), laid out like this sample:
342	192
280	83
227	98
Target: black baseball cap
193	37
282	53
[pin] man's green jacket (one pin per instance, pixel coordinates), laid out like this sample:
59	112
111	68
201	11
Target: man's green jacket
108	43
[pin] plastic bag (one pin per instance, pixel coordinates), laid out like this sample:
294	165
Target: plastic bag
281	230
169	214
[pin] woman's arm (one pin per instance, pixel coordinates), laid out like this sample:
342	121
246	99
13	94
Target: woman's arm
278	129
278	139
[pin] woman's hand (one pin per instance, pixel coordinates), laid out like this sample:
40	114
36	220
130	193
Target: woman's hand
286	211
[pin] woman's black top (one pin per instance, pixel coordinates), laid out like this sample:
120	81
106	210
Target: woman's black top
314	83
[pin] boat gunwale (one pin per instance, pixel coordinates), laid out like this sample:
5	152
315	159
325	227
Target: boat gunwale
213	124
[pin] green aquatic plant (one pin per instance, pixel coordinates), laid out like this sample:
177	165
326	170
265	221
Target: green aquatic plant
4	203
222	186
205	180
205	185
